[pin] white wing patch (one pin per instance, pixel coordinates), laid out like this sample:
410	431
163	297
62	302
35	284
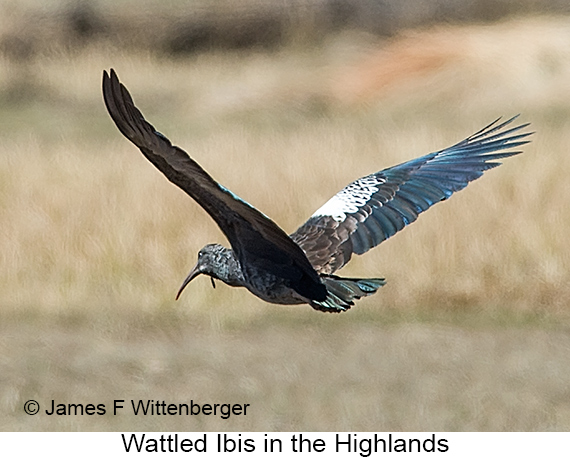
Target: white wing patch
351	198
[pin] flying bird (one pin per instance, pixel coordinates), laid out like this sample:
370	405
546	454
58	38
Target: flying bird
299	268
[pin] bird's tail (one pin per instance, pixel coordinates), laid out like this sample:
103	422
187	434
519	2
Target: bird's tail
343	291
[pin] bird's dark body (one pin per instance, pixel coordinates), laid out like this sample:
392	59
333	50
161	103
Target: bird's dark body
295	269
272	287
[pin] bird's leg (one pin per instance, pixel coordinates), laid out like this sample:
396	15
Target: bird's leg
213	283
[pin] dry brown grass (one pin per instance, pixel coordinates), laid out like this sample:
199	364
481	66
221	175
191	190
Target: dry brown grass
469	334
298	375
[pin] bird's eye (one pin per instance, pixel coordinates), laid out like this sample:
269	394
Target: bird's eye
200	254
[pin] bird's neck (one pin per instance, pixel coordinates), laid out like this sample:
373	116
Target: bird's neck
229	270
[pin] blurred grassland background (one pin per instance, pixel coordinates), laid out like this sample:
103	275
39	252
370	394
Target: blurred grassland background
284	103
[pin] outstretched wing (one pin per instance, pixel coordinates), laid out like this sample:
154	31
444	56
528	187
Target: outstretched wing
255	238
372	209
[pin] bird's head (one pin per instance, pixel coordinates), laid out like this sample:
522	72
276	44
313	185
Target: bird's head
211	260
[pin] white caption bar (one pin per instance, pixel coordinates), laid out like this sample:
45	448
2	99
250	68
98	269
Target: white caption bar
358	444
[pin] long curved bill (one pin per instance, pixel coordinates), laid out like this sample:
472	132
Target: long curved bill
193	273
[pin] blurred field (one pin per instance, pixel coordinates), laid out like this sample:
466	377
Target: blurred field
472	330
179	28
